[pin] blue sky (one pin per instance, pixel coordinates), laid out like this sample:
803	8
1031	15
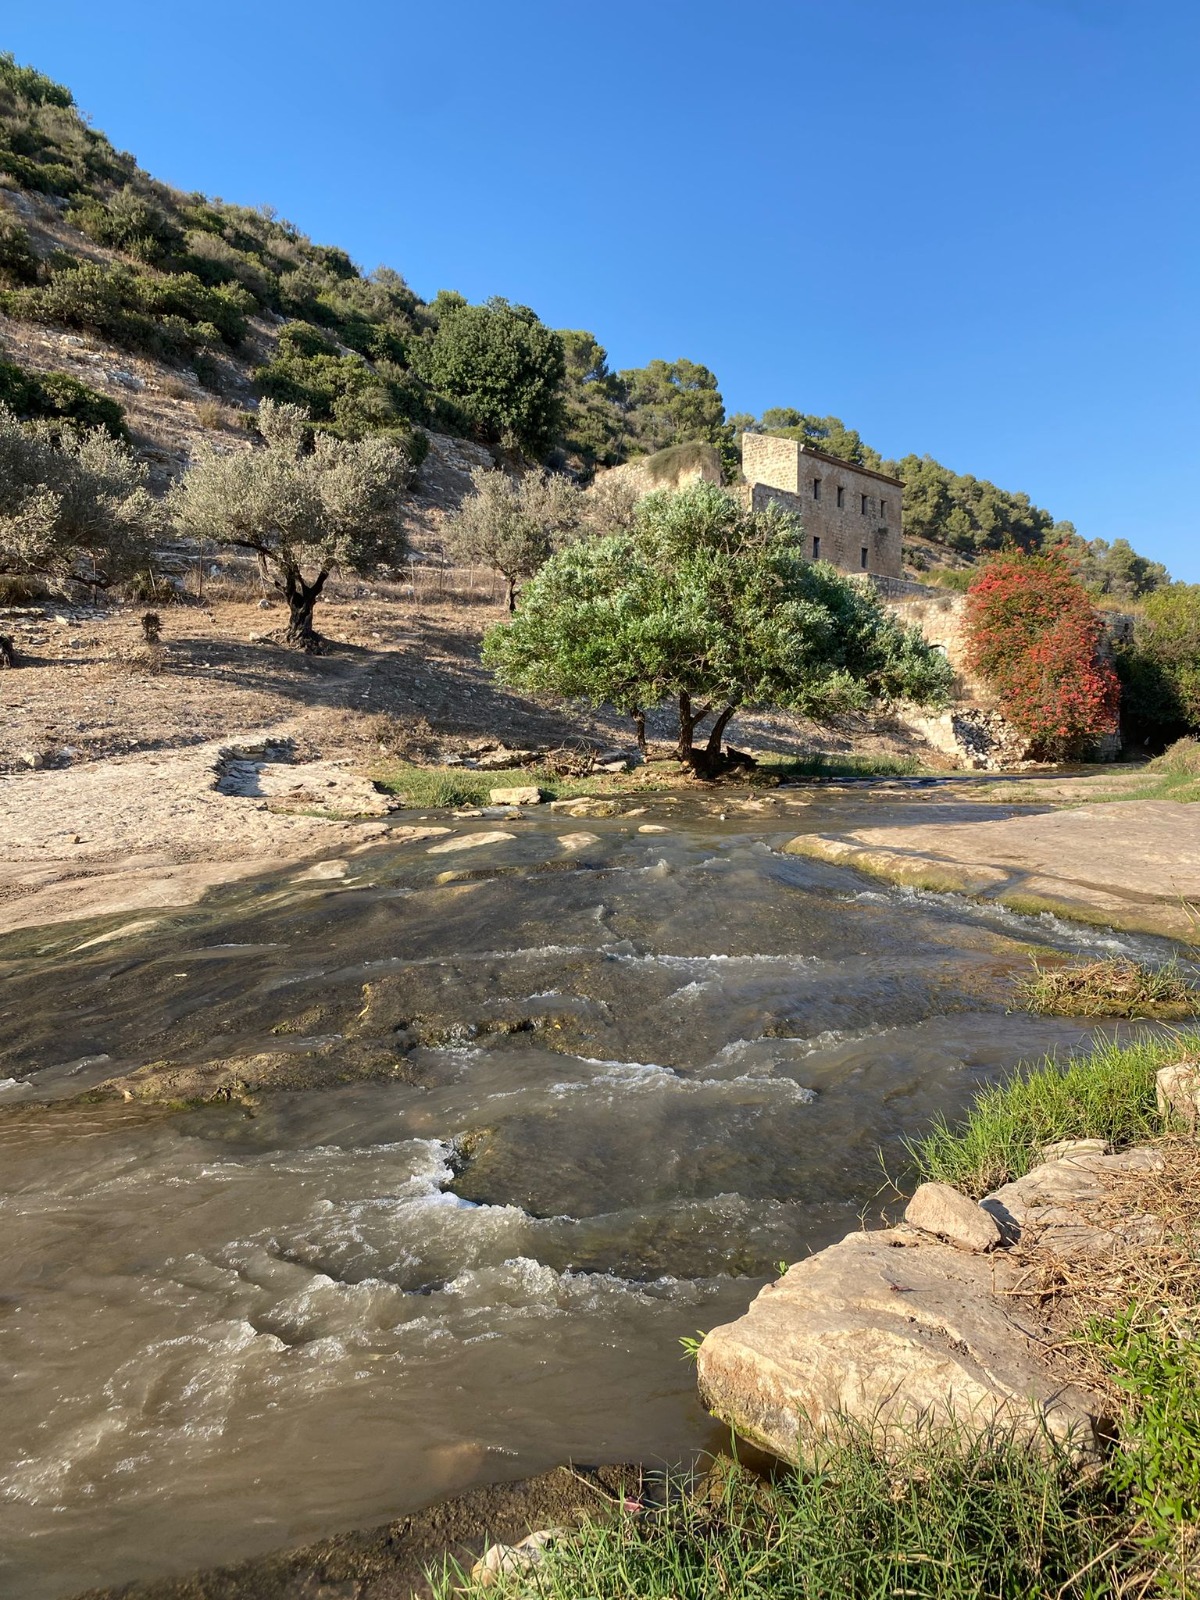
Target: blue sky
968	227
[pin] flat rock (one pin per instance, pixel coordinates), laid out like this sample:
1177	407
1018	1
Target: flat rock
1057	1202
1064	1149
469	841
578	841
886	1328
938	1209
587	805
527	794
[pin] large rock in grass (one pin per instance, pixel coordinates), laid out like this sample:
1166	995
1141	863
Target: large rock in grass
1177	1089
889	1330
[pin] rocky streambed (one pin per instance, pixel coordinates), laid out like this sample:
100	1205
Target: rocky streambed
368	1181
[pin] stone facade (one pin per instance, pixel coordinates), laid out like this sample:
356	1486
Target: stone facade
852	516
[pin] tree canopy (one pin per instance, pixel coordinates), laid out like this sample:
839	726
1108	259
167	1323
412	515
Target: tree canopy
1160	667
74	504
513	524
301	503
504	367
715	607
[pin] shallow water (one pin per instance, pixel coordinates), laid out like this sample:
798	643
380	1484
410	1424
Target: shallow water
632	1079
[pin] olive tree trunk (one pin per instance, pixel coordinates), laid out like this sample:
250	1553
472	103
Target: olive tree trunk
301	598
689	720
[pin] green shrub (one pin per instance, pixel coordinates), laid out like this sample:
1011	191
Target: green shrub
167	315
129	221
58	398
18	263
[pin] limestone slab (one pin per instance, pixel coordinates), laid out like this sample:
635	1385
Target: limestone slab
886	1328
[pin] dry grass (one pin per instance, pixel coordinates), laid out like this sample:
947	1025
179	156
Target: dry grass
1116	988
212	414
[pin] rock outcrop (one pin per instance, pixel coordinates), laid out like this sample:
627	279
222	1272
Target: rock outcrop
913	1325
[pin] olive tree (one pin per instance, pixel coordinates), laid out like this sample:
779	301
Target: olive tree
306	504
74	504
716	608
514	524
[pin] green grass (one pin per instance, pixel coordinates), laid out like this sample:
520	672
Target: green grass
1114	988
1108	1094
458	786
1154	1355
823	766
948	1520
432	787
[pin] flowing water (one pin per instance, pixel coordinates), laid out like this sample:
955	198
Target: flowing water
591	1096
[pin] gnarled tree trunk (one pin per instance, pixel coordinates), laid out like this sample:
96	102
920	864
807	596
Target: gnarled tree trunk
510	595
639	724
689	720
710	762
301	598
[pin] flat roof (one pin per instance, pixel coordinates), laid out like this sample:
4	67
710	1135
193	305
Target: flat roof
834	461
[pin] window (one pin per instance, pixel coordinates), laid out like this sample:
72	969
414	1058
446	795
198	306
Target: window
863	558
863	505
841	495
816	547
883	511
816	488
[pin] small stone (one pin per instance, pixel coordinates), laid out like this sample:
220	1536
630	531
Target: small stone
500	1561
32	758
265	605
578	841
1177	1090
938	1209
1064	1149
527	794
653	827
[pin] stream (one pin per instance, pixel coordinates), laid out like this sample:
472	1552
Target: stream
552	1108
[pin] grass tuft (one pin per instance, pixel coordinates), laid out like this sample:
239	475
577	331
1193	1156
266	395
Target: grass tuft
1116	988
1108	1094
949	1519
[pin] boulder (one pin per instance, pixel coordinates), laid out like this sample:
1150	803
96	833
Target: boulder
1177	1089
887	1329
527	794
938	1209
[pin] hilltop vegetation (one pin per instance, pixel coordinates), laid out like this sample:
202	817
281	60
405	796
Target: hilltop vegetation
183	277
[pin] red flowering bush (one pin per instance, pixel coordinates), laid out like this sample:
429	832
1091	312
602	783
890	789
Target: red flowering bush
1034	638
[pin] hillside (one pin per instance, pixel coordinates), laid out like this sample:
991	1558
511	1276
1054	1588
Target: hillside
184	310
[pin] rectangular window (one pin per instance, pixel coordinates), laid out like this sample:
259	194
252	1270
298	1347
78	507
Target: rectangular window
816	547
883	511
863	504
841	495
816	488
863	561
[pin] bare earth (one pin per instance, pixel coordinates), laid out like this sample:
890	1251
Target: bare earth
110	758
1132	864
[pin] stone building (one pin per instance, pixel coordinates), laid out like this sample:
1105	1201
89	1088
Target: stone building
852	516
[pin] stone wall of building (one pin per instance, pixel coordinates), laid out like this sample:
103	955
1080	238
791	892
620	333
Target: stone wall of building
852	517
